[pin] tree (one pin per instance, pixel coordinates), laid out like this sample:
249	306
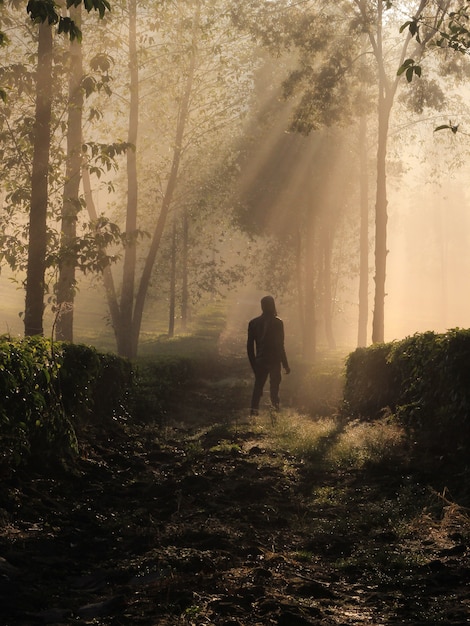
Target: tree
45	14
66	283
36	267
375	22
185	117
329	39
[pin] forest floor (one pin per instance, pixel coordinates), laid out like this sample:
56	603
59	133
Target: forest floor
215	518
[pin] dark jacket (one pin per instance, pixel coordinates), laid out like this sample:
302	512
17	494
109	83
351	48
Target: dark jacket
265	344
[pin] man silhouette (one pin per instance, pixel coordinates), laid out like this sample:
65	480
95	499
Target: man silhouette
266	352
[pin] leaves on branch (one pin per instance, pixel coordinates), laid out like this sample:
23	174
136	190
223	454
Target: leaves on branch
41	11
413	27
409	68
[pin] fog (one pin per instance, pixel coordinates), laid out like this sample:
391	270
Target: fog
258	182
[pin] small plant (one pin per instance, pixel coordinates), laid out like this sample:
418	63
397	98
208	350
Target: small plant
226	447
306	437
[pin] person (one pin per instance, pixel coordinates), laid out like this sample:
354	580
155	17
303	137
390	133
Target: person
266	353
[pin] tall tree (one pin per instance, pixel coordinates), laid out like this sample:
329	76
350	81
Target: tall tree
66	284
375	18
45	13
34	304
185	111
329	39
124	323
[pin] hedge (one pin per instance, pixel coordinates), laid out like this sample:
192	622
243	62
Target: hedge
47	388
423	380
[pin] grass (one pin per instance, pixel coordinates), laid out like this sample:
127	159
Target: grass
334	443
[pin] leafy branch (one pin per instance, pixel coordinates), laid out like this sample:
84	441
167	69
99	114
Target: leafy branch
453	33
409	68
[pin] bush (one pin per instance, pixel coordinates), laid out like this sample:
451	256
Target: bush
92	382
32	418
158	382
371	383
425	382
46	388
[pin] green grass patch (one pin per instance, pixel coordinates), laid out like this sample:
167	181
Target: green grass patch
335	443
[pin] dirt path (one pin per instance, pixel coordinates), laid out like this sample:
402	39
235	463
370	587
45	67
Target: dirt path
200	527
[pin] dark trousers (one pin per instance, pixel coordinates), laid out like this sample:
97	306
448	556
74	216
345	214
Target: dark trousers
262	371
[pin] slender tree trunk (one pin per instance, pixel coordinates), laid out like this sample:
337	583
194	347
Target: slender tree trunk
37	246
309	337
381	219
300	287
185	270
386	95
172	308
71	202
126	347
363	236
328	304
183	115
111	296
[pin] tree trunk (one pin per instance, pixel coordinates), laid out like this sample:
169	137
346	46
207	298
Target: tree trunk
309	336
111	296
37	245
183	115
129	268
300	287
71	203
363	236
381	218
185	269
386	95
172	308
328	304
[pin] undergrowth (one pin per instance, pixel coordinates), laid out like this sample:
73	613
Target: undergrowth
334	442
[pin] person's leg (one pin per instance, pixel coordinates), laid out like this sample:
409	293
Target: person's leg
274	382
261	374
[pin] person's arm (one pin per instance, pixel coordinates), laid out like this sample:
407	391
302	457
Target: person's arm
250	346
285	363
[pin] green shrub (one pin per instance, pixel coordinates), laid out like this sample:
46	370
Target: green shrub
371	382
92	382
80	366
424	380
158	382
32	417
46	389
434	405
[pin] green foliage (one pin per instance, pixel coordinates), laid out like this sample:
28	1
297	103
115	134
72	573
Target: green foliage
452	32
409	68
47	388
158	383
41	11
93	383
424	380
32	418
370	384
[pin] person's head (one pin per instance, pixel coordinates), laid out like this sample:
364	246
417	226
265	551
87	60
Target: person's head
268	306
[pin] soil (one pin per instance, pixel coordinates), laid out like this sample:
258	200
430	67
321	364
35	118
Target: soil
207	521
